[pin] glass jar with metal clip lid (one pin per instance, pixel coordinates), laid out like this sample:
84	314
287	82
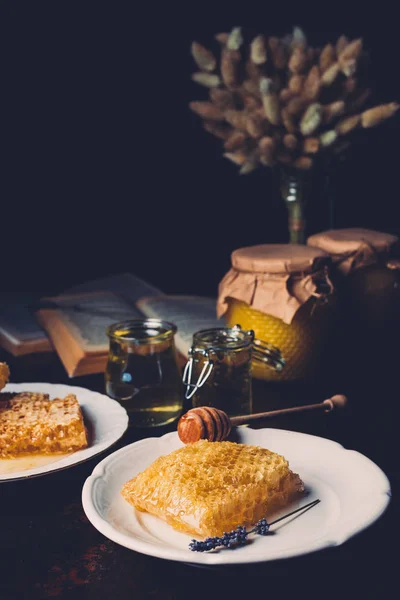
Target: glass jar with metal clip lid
218	372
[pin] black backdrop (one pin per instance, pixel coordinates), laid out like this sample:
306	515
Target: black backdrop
104	169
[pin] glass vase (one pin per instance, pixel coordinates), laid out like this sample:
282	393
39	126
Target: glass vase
309	202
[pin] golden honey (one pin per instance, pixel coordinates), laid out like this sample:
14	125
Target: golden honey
224	357
301	342
142	371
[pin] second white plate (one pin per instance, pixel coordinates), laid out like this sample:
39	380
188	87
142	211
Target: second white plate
353	491
105	419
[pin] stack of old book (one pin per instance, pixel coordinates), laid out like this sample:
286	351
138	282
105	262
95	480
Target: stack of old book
74	323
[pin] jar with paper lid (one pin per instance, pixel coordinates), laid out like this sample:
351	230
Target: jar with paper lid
283	293
366	268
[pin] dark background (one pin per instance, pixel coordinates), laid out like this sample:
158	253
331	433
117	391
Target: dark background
104	168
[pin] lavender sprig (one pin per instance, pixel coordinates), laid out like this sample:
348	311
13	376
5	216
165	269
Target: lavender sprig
238	537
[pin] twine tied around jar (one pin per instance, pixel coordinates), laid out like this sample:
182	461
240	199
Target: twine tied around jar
278	294
366	254
382	252
277	290
316	284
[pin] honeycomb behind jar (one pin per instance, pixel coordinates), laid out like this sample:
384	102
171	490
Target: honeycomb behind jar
301	342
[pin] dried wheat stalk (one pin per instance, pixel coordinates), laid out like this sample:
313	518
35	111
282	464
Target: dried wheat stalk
280	101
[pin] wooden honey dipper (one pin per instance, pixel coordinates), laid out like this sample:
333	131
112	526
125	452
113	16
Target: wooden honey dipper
214	425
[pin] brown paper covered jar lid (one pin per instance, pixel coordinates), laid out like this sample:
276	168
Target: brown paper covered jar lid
277	258
354	247
274	278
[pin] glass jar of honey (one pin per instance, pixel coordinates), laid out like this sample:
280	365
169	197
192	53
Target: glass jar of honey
142	371
218	372
284	294
366	270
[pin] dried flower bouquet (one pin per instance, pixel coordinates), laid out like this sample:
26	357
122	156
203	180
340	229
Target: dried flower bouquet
281	102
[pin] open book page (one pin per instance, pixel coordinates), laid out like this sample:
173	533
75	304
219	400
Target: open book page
20	323
189	313
126	285
20	332
87	316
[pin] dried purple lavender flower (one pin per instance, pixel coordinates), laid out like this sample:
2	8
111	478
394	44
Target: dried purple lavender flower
238	537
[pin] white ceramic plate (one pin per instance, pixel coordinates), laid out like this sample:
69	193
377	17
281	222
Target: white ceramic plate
105	419
353	491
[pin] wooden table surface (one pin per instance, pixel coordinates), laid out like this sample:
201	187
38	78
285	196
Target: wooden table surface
48	548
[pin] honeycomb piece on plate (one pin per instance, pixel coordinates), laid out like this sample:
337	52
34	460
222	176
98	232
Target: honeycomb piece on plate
207	488
33	424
